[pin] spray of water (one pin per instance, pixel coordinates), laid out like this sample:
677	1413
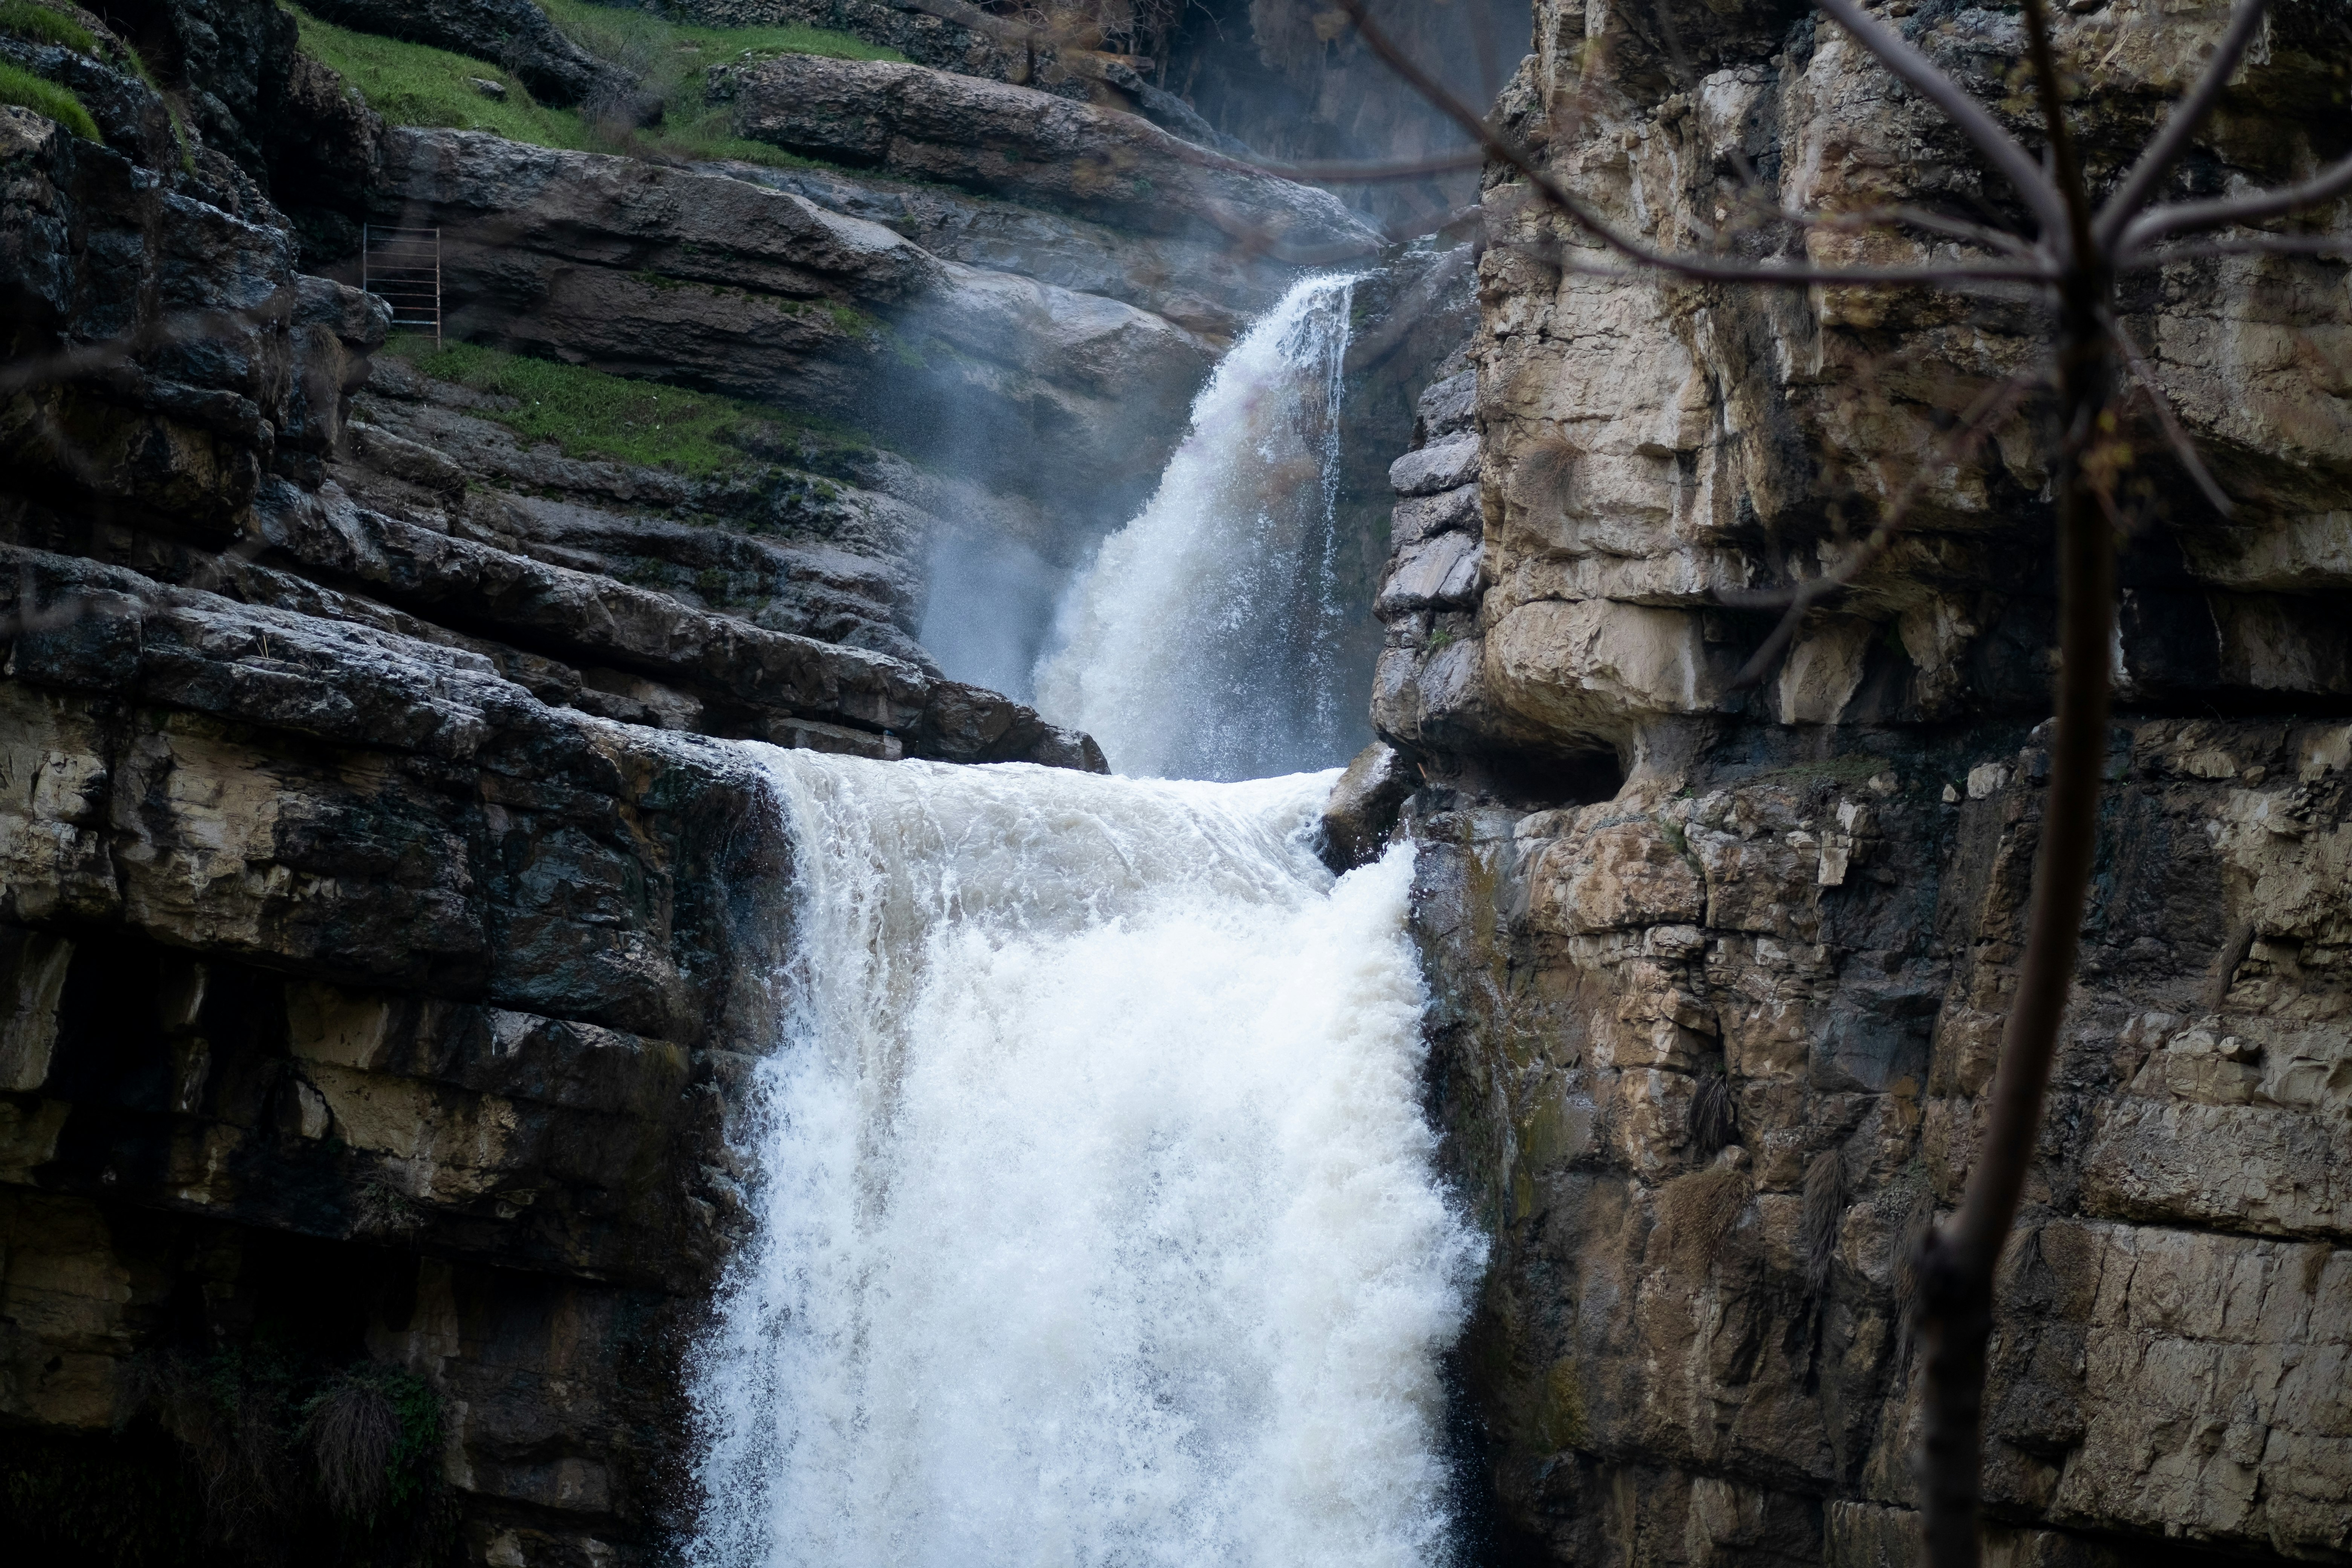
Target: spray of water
1205	640
1096	1221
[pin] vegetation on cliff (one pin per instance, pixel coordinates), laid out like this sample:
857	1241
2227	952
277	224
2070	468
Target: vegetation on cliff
24	19
28	92
417	84
260	1455
589	413
40	25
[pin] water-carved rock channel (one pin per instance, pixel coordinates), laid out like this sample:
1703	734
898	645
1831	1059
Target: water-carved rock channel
1097	1217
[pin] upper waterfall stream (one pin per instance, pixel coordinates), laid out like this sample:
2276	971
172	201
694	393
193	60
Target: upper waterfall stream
1203	641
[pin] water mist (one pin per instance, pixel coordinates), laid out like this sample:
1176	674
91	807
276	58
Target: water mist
1206	639
1096	1220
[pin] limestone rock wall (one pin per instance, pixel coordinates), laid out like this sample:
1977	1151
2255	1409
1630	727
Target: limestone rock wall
1721	973
383	929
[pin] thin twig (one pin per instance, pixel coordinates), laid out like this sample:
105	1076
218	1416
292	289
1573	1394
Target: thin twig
1929	81
1958	274
1862	219
1458	163
2170	421
2256	245
2066	164
2188	217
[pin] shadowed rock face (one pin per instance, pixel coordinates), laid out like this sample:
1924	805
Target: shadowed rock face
1713	1032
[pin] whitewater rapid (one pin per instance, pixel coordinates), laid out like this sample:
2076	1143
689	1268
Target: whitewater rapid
1095	1219
1206	638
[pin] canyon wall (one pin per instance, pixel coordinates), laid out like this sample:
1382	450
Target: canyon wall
1720	974
384	927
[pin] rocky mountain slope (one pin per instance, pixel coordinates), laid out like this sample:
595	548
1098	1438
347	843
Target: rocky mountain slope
383	934
1721	973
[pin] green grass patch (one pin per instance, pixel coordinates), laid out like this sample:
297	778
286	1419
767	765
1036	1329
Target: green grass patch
25	90
671	57
415	84
589	413
23	19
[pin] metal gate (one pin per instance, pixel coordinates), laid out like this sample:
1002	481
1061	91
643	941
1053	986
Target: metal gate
403	266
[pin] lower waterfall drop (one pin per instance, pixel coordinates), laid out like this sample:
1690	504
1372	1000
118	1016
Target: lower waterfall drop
1095	1217
1203	641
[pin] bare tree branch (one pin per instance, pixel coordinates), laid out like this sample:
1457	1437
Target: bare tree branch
2185	217
1924	78
2180	127
1956	275
2067	165
1863	218
1467	158
2255	245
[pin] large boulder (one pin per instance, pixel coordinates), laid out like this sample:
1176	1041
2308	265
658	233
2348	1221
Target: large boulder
691	276
1033	147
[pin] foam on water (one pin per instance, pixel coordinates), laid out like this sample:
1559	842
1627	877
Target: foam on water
1096	1220
1204	639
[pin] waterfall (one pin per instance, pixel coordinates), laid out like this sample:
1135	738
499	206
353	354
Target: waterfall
1095	1219
1204	639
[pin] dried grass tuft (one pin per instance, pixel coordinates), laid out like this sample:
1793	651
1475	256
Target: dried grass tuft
234	1431
1714	1124
1909	1246
1825	1202
354	1431
1698	1213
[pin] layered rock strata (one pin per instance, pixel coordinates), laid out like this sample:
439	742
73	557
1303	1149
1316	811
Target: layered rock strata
383	932
1721	974
999	139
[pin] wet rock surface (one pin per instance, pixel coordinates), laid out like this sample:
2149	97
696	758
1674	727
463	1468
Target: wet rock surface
1720	975
744	286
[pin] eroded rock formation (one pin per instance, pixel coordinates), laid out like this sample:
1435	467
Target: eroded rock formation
382	936
1721	973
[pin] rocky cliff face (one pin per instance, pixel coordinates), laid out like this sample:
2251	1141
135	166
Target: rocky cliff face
1721	974
383	928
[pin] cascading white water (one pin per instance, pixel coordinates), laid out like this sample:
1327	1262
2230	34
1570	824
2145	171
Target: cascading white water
1096	1221
1204	640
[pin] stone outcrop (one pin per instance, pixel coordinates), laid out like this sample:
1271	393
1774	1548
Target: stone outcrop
1720	974
924	39
1712	1051
1002	140
1207	286
354	988
701	278
384	925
